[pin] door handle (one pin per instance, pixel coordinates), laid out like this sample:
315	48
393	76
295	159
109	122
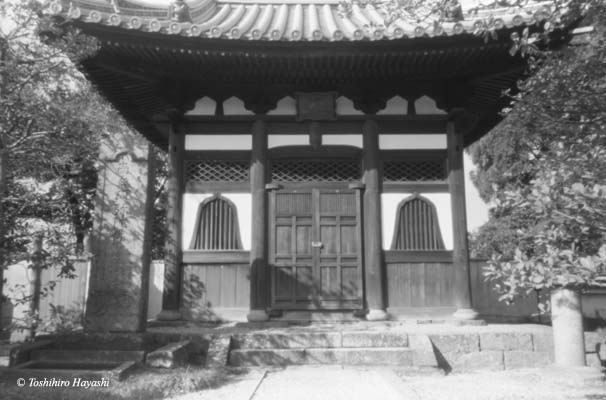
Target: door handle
316	244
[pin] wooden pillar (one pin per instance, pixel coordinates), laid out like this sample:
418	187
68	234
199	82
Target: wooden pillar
460	251
172	258
258	251
374	276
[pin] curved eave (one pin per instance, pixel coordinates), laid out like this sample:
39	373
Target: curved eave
305	21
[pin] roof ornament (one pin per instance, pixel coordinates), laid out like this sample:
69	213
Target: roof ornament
453	11
114	5
178	11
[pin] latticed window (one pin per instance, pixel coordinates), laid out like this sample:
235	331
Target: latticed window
216	226
333	170
417	226
413	170
217	171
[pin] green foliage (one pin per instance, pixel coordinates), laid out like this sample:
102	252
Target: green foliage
51	121
544	171
50	124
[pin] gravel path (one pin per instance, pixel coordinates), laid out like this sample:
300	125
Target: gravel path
358	383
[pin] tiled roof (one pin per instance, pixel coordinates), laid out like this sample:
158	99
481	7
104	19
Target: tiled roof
304	20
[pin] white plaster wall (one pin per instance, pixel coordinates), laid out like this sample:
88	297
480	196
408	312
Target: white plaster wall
427	105
242	201
235	106
287	140
344	140
415	141
285	106
204	106
389	206
218	142
303	140
395	106
344	106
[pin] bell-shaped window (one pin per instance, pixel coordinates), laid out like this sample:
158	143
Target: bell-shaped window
216	226
417	226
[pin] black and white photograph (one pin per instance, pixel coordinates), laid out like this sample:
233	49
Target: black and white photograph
303	199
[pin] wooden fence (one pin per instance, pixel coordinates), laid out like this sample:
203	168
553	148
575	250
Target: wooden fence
68	295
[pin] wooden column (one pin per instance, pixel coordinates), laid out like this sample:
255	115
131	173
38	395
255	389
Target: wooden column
374	275
172	258
460	251
258	252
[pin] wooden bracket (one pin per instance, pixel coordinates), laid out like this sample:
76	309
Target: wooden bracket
273	186
357	186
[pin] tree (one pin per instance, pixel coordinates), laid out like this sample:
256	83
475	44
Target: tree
51	120
544	169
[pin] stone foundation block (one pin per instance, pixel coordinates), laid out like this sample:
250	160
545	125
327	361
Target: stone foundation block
506	341
475	361
591	341
462	343
593	360
20	354
89	356
422	351
296	340
374	339
218	352
260	357
361	356
170	356
542	343
527	359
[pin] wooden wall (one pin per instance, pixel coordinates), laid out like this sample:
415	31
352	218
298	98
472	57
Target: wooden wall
419	283
486	301
422	284
216	288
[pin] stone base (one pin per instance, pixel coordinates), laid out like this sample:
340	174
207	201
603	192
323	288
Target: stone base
377	315
170	356
465	314
257	316
169	315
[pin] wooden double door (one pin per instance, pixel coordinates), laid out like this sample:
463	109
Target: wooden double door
315	249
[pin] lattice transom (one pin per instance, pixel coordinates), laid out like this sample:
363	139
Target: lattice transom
217	171
398	171
315	170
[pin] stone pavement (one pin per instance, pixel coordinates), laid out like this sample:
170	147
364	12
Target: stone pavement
367	383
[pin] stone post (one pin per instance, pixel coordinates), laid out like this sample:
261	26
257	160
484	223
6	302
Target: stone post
567	323
120	241
374	275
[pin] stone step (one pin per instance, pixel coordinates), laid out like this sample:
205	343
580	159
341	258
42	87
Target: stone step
399	356
320	339
88	356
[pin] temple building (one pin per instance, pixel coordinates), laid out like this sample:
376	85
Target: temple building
315	148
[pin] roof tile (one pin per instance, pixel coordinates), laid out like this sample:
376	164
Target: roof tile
291	21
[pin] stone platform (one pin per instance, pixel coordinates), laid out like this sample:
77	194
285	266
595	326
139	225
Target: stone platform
445	346
451	347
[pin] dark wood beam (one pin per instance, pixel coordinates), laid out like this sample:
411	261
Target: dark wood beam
419	124
172	260
259	274
460	252
374	269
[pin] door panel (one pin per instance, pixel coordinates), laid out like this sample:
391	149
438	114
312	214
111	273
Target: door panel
314	249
